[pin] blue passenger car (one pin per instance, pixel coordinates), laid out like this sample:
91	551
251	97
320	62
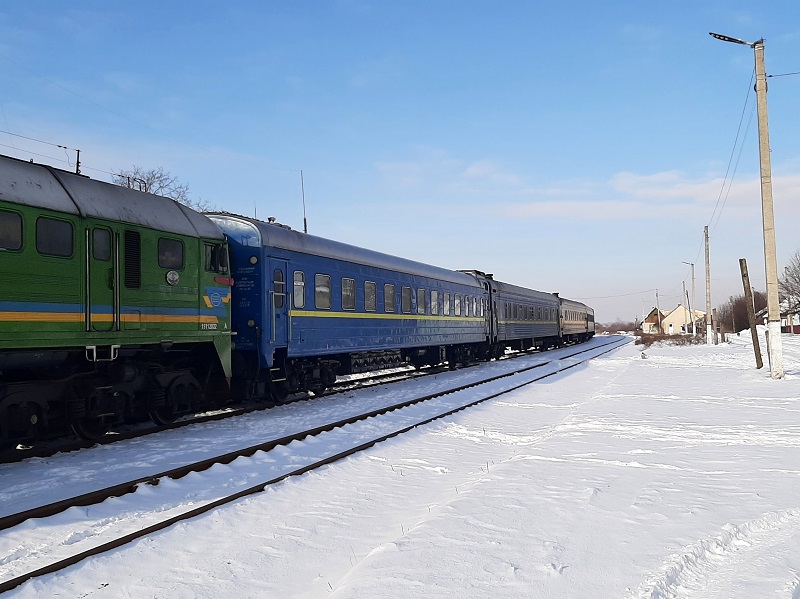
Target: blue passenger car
306	309
526	318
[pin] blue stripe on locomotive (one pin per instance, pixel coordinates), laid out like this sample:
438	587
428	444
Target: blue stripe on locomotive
257	249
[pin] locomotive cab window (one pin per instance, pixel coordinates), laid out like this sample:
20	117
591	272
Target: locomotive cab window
348	294
370	296
216	258
54	237
10	230
170	253
322	292
299	289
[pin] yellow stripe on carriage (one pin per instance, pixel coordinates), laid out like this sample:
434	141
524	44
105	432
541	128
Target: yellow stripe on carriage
381	315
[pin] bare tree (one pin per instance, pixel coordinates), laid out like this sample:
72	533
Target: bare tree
789	285
732	315
159	182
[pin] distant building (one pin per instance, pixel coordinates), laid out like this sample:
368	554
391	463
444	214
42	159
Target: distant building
790	316
677	321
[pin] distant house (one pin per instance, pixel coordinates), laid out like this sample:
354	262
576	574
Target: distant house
790	316
673	322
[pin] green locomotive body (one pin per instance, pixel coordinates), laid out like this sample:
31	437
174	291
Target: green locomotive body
114	305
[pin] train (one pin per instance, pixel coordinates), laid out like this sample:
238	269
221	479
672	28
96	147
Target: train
120	306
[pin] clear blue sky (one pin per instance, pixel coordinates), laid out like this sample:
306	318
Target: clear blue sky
577	147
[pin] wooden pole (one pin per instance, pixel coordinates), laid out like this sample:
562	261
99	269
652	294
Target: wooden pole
715	322
751	312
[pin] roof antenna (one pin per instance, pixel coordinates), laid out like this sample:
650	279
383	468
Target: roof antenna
255	209
303	191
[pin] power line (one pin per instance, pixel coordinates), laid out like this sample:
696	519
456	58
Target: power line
735	168
784	74
38	140
35	154
619	295
733	151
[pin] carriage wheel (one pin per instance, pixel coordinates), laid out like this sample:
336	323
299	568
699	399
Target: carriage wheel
91	429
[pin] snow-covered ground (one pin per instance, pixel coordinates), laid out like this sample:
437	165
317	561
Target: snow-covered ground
673	475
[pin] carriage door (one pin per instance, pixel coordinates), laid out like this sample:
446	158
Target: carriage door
491	313
279	313
102	305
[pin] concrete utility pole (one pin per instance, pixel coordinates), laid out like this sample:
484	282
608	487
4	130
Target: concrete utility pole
658	311
751	311
685	317
691	309
708	291
774	343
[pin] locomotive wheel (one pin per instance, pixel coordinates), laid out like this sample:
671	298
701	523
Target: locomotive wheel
163	415
91	429
182	393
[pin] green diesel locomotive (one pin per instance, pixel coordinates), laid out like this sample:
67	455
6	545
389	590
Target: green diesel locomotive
114	305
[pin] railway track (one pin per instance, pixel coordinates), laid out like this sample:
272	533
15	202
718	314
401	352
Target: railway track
149	504
49	448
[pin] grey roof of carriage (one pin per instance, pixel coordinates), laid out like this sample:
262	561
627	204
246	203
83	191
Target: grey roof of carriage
238	228
41	186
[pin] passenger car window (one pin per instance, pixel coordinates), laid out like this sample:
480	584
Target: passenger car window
170	253
299	293
54	237
388	298
457	310
446	305
322	291
348	294
10	230
405	300
434	302
370	296
422	296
